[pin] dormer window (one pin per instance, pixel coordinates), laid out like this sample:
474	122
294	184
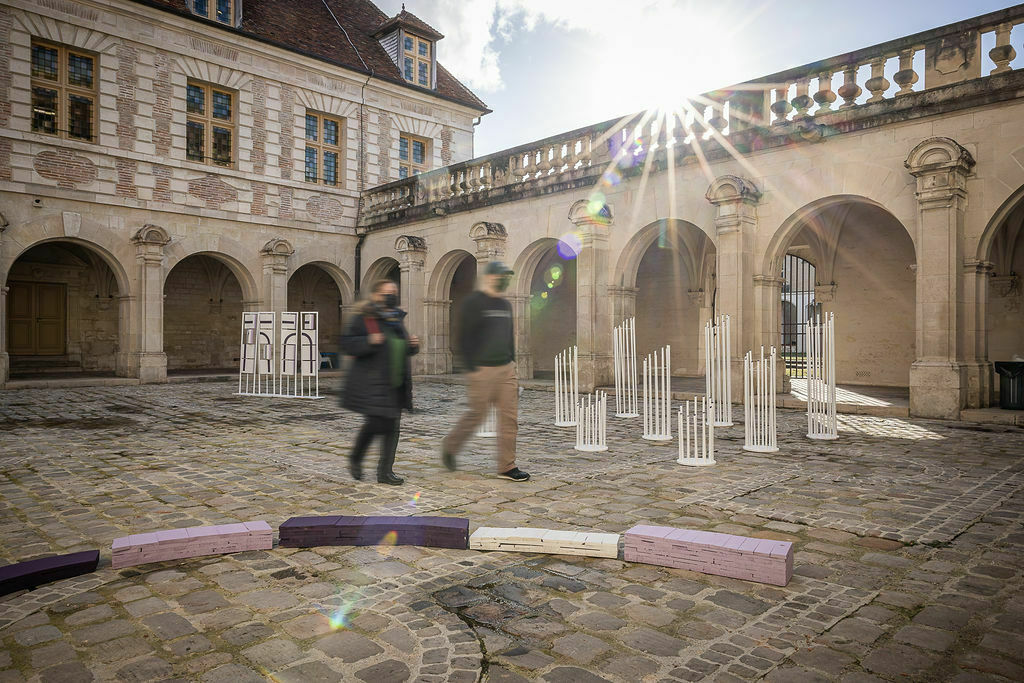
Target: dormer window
216	10
417	60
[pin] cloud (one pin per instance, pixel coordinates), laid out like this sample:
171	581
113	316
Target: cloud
475	30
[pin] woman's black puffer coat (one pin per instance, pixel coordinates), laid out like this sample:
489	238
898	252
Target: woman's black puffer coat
367	384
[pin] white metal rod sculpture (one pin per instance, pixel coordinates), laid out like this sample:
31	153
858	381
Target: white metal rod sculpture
697	434
821	379
489	427
759	403
658	395
300	355
717	373
285	364
593	419
624	343
567	387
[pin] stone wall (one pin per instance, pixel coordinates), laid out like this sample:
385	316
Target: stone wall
665	313
202	315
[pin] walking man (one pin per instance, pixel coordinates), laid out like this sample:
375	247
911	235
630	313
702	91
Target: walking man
487	344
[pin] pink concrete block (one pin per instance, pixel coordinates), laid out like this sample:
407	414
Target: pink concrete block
119	543
650	531
171	535
233	529
782	549
258	525
144	539
734	543
201	531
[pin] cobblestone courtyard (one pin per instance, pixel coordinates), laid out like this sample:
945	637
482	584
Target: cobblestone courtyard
908	533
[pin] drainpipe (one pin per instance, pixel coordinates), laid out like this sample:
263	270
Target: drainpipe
359	261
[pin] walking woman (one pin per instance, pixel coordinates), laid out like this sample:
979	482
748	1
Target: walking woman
379	380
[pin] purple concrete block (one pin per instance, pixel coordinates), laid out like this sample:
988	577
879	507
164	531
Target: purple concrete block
313	522
27	575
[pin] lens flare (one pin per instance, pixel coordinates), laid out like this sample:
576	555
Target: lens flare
569	246
415	499
543	295
337	616
556	272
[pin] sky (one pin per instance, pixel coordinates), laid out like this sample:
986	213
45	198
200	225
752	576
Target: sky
548	66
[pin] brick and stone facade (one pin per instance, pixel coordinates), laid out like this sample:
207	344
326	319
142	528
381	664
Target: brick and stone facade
175	302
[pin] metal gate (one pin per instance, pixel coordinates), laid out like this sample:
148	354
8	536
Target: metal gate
798	306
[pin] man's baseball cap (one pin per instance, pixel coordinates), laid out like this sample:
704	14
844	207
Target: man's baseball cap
498	268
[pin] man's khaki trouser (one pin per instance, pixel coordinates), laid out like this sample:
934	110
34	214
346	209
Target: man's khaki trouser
490	386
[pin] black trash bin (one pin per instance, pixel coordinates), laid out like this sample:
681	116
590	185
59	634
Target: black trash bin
1011	385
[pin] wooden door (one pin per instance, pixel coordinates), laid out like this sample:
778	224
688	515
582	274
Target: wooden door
36	319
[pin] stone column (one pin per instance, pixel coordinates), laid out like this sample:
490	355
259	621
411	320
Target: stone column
142	312
593	305
623	300
275	255
521	319
412	254
938	378
976	277
437	355
768	326
490	241
736	201
5	359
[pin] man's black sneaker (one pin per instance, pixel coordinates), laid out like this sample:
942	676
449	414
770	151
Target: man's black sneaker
448	459
515	474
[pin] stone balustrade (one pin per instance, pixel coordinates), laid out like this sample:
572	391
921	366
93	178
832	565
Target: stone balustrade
803	103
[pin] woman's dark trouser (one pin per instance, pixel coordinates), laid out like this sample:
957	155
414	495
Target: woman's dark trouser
388	429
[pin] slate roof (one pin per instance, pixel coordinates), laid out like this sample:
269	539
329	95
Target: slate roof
306	27
410	21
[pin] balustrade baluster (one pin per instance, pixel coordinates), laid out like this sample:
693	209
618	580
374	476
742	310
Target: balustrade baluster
1003	53
878	83
825	96
906	77
781	106
802	102
849	90
587	150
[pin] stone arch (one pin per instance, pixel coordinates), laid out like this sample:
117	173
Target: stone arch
379	269
999	218
205	293
67	304
687	235
443	271
547	318
70	227
338	274
227	253
865	272
320	286
771	263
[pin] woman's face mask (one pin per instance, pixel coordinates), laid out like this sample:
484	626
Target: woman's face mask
390	300
501	284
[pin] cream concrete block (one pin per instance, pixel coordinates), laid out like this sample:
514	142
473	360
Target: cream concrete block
145	193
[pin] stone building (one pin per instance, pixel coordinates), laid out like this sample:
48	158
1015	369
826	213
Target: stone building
167	164
895	171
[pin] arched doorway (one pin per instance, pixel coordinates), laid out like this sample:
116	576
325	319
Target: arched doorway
385	268
547	277
1004	314
670	265
202	314
452	280
864	271
64	310
311	288
798	307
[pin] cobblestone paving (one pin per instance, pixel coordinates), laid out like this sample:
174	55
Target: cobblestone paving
909	539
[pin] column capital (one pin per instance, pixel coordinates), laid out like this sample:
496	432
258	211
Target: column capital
591	213
941	166
149	241
731	189
768	281
490	240
412	252
973	265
